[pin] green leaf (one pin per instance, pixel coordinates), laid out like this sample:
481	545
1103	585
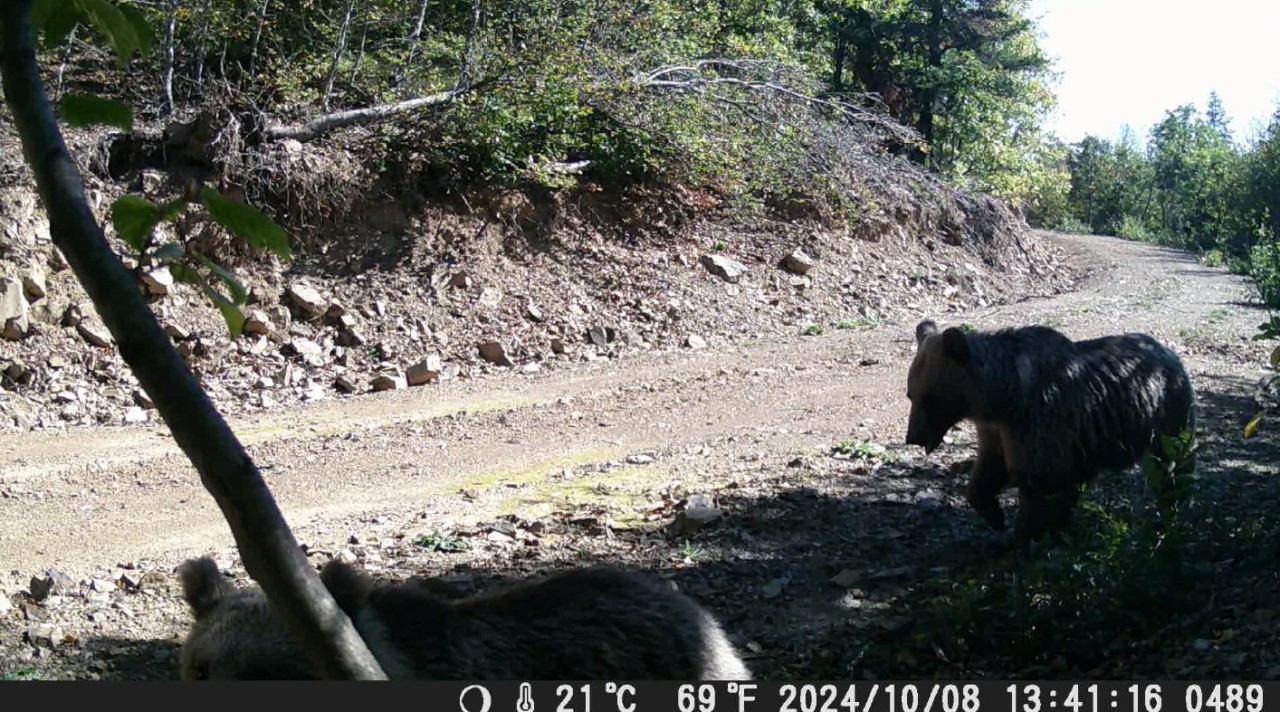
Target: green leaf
170	252
90	110
1252	425
134	217
238	292
1275	357
230	312
113	24
56	18
185	274
141	27
245	221
173	208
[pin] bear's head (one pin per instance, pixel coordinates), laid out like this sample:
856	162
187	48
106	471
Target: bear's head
235	635
938	384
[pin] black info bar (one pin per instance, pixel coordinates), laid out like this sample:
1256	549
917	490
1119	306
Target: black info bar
905	696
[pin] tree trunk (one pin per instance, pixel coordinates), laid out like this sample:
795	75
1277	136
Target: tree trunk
415	33
839	48
170	27
364	36
329	122
929	97
66	57
201	43
257	36
339	47
469	59
269	551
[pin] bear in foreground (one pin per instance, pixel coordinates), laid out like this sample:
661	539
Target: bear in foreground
596	623
1050	413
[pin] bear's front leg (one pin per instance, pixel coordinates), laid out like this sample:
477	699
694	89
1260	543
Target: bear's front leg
990	475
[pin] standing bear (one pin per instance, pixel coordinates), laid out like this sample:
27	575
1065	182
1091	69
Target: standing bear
1050	413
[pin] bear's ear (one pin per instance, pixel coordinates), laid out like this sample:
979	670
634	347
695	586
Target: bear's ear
348	585
955	344
203	586
924	330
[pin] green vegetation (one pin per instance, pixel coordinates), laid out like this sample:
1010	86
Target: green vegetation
1192	185
861	450
1123	570
747	99
438	541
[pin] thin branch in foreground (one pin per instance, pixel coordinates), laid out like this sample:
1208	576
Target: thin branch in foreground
267	546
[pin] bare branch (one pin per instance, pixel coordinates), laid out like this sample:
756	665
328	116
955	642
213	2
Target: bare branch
695	76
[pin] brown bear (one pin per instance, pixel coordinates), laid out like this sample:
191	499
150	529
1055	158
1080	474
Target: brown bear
584	624
1050	413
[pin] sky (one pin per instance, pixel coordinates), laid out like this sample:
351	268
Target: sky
1128	61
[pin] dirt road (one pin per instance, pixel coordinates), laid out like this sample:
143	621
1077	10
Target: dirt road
93	497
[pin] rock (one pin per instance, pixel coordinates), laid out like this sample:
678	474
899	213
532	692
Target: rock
346	384
306	348
798	262
44	635
17	372
264	382
72	315
280	316
773	589
557	347
152	181
848	578
640	459
460	279
257	322
388	382
307	299
601	336
534	313
56	361
158	281
5	604
348	322
729	270
336	310
424	371
694	341
134	414
13	310
141	398
95	333
34	283
354	337
53	582
494	352
698	513
177	333
57	260
490	296
531	368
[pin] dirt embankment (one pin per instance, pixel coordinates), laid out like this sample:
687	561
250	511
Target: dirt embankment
390	293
